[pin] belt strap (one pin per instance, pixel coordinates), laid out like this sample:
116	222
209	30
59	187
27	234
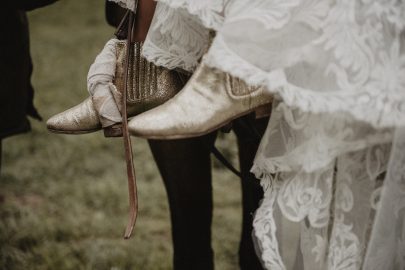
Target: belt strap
132	188
221	158
127	32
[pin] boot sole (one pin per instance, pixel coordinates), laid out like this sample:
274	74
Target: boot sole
75	132
198	134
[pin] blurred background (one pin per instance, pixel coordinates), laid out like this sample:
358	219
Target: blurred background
63	199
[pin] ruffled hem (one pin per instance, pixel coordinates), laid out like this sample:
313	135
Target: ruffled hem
176	39
163	58
209	12
128	4
356	103
306	199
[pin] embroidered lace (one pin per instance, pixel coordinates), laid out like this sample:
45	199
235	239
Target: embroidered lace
337	69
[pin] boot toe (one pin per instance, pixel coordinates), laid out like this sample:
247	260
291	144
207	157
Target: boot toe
78	120
54	123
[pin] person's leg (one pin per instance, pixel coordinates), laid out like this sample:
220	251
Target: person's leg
113	13
252	192
185	167
144	16
1	154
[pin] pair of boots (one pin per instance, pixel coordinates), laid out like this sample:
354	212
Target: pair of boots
211	99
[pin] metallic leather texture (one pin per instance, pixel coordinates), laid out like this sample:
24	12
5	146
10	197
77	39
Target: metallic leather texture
210	100
238	87
149	85
80	119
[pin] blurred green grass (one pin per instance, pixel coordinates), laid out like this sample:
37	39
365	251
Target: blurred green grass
63	199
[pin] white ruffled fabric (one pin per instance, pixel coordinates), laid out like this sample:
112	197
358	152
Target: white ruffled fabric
100	85
183	47
328	56
337	69
128	4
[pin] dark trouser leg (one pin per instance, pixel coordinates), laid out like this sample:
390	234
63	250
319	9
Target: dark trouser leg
185	167
252	192
1	154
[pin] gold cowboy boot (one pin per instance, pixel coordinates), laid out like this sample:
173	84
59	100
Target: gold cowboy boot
150	86
210	100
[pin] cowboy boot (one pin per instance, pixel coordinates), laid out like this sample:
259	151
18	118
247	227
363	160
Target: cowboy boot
151	86
210	100
80	119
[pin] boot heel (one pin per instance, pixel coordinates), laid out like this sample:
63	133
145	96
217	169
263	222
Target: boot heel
113	131
263	111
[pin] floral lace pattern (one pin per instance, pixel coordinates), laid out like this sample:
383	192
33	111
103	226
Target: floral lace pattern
333	193
209	12
336	68
387	245
354	52
319	56
179	35
176	39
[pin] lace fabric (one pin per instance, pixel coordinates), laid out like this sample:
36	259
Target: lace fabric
336	68
180	48
324	173
319	56
387	244
128	4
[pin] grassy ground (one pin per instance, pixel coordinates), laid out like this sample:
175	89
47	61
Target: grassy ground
63	199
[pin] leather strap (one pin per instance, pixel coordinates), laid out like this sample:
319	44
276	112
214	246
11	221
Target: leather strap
132	188
122	29
221	158
125	31
247	124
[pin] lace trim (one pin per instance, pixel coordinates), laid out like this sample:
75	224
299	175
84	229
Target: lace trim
296	160
387	241
308	142
208	11
128	4
265	228
358	103
176	39
308	199
164	58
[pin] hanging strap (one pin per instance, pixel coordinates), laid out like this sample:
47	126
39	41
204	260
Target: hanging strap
132	188
254	136
121	32
221	158
125	31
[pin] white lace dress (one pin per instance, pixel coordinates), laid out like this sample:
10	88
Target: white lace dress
332	161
